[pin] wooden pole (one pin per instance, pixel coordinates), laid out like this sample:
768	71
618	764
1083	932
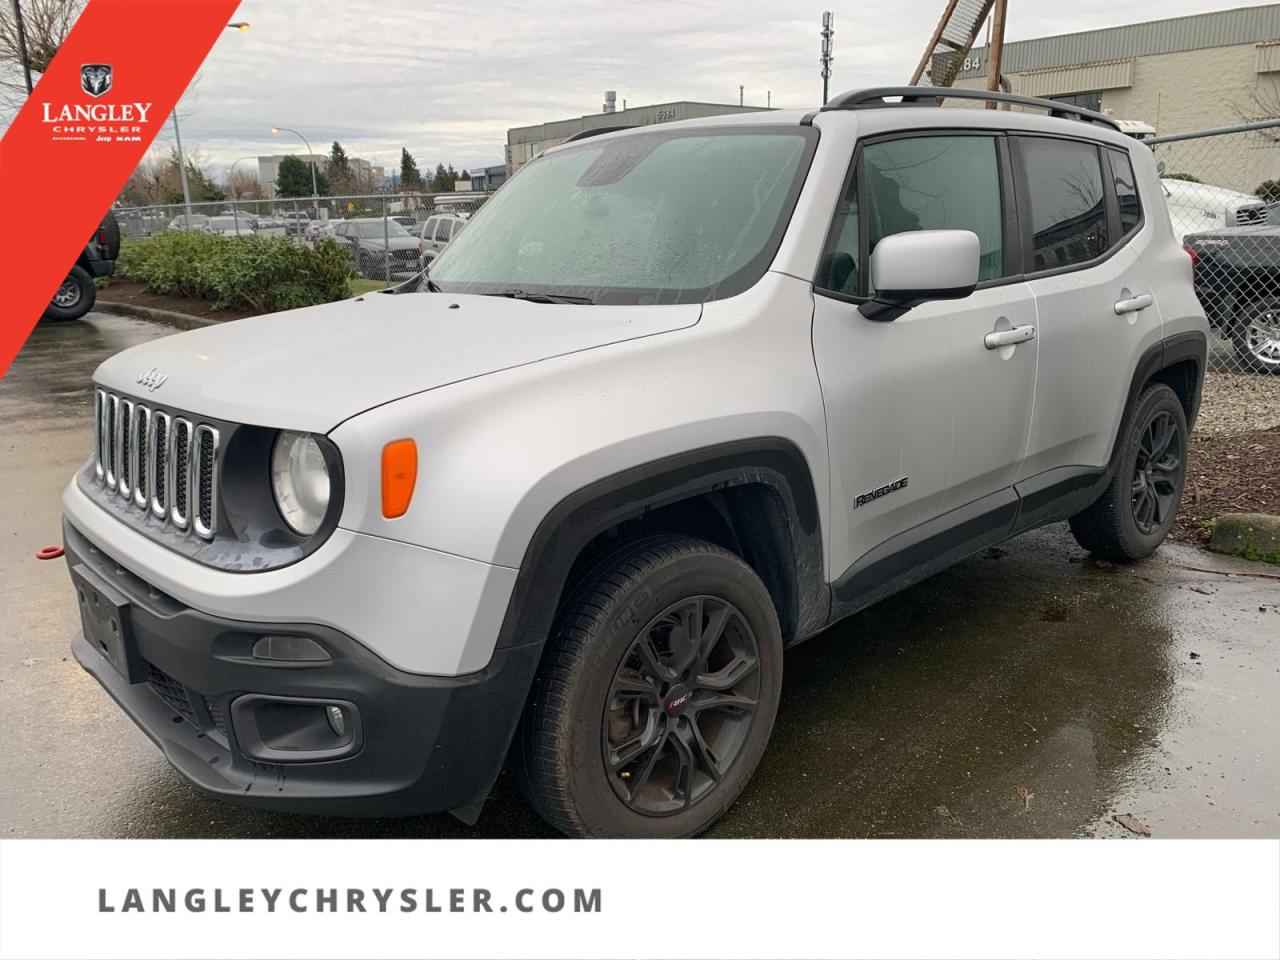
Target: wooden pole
996	49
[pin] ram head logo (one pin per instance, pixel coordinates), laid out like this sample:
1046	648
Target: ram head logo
95	78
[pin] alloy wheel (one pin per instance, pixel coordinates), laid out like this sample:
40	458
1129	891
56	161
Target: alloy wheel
681	706
1262	339
1157	473
68	294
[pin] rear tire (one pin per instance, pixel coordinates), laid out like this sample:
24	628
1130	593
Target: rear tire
1137	510
75	297
1256	337
634	731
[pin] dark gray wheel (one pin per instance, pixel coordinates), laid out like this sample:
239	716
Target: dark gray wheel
73	298
657	693
1256	337
1137	510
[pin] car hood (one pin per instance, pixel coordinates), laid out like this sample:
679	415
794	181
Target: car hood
312	368
395	243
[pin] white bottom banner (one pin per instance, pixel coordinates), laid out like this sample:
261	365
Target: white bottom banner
695	899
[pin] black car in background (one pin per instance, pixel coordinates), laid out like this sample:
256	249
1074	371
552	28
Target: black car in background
76	295
1237	277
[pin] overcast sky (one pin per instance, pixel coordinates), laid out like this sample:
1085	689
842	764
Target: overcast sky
447	79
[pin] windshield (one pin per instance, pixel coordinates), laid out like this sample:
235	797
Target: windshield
371	228
661	217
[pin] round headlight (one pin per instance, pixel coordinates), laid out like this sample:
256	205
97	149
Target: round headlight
300	481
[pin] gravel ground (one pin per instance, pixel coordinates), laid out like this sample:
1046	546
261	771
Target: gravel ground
1236	403
1235	474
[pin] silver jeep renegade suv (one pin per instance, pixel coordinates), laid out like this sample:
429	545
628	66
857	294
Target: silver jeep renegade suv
678	398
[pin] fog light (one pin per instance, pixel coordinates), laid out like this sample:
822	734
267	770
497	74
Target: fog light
337	722
288	648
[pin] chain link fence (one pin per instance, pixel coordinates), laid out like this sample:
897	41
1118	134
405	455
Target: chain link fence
1222	188
390	236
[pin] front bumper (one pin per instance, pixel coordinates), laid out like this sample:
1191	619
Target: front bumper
427	744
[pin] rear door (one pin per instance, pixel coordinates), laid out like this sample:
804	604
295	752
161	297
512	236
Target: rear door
1083	245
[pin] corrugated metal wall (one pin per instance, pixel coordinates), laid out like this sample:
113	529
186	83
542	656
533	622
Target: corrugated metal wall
1220	29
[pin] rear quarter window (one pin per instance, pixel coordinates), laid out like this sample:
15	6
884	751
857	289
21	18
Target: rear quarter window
1068	216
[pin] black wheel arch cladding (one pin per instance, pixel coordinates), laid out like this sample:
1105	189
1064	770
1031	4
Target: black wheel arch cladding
788	556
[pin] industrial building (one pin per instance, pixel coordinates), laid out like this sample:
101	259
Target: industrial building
525	143
269	167
1177	75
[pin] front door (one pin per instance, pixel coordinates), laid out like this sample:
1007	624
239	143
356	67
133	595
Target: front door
926	420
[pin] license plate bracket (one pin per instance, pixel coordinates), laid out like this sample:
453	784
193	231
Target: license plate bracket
104	617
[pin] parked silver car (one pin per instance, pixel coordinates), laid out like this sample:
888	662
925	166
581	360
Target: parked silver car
677	399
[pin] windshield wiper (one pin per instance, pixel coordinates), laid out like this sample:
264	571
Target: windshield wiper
430	284
539	297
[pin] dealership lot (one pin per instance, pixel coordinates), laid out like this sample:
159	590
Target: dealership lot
1028	692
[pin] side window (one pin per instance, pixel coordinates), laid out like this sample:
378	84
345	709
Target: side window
916	183
1068	215
1126	192
936	183
429	231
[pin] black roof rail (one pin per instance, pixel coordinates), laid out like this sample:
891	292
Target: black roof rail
933	97
597	131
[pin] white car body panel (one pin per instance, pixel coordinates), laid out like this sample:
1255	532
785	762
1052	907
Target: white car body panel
310	369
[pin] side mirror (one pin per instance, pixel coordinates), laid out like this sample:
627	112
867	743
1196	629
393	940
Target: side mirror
908	269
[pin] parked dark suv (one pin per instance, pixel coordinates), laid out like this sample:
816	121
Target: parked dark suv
1237	277
98	259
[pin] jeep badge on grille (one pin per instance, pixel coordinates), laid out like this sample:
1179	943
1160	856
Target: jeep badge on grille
153	378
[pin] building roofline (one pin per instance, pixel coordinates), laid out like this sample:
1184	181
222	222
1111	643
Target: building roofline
745	108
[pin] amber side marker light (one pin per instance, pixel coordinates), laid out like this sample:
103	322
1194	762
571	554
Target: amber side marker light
399	473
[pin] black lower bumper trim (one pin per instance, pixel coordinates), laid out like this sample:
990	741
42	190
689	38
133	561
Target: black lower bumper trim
429	744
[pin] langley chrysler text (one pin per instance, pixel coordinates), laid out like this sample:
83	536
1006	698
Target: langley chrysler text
678	398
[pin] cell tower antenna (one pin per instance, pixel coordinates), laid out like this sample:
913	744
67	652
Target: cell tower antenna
828	31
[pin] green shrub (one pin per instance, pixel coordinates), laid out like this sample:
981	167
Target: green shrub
249	273
1268	190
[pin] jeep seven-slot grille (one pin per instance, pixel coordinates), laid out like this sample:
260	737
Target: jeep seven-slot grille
157	461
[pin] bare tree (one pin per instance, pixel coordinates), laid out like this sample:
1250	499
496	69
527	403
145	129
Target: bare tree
1263	104
243	185
46	24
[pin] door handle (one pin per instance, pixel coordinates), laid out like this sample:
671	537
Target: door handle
1133	304
1007	338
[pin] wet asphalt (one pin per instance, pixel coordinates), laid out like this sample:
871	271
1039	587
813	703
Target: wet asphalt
1029	692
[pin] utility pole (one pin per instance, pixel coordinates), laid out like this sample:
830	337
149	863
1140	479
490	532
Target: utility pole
182	168
828	31
740	94
22	43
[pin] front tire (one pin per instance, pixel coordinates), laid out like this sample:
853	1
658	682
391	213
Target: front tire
74	298
1137	510
657	695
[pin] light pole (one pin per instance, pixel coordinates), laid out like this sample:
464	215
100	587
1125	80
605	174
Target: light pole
177	137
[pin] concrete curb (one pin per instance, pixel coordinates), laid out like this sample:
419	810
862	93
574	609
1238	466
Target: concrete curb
183	321
1254	536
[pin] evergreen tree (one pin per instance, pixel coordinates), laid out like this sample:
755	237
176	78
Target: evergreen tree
293	179
410	177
